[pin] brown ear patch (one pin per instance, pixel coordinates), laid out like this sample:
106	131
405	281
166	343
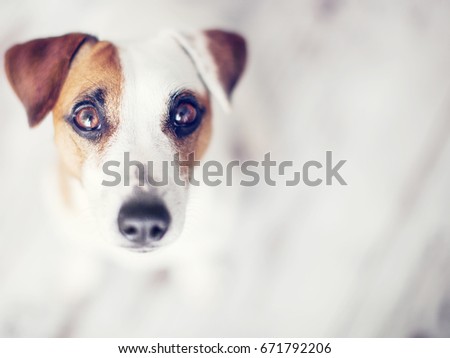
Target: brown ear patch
37	70
229	51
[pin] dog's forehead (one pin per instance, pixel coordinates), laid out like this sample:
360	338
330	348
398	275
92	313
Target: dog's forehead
155	69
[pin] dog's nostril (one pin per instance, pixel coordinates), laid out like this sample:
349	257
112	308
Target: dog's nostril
143	222
156	233
130	230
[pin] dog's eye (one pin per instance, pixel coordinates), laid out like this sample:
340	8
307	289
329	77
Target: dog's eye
185	117
87	119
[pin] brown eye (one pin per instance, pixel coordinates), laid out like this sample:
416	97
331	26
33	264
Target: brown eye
185	114
87	119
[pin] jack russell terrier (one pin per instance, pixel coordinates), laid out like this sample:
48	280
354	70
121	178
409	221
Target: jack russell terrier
151	100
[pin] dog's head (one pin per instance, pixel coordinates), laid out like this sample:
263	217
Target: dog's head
134	113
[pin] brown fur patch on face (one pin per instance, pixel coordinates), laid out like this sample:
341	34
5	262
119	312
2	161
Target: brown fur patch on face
203	134
96	68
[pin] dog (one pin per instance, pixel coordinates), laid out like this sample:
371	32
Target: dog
150	99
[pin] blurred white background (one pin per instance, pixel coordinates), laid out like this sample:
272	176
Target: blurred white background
369	80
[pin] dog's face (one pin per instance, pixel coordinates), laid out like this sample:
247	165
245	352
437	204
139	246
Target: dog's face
121	107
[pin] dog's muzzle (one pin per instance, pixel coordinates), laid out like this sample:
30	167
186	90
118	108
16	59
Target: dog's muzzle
143	222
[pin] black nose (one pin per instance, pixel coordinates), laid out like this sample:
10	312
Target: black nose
143	222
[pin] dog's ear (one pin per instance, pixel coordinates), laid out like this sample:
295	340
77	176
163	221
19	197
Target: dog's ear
220	58
37	70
